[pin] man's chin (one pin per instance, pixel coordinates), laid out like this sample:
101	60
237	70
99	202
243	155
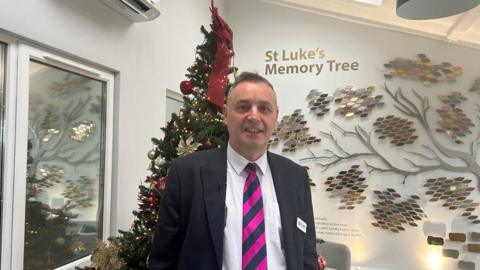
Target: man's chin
255	146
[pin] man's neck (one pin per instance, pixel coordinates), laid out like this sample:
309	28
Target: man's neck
248	155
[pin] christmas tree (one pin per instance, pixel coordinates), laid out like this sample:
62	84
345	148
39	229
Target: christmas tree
199	126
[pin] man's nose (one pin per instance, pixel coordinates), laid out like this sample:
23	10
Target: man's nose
253	114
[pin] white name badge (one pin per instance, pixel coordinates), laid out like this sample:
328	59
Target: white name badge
301	225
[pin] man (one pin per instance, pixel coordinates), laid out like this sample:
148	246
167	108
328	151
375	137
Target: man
240	207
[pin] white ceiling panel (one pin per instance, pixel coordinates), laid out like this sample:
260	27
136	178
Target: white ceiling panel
463	29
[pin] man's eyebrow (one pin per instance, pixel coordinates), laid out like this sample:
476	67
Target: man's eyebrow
262	102
243	101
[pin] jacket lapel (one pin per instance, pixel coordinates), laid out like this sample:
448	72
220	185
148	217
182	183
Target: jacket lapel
214	180
287	206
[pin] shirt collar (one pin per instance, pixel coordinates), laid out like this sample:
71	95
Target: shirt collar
238	162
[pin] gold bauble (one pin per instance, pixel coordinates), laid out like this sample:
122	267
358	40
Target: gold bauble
152	154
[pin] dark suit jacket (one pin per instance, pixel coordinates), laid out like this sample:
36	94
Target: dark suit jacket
191	216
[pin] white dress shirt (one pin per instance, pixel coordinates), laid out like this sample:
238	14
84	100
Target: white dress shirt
232	239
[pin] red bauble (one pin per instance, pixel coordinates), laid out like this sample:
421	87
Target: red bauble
186	87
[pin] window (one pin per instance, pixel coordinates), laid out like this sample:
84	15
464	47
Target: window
63	137
66	115
173	104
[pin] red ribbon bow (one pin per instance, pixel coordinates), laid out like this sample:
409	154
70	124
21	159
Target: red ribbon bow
217	80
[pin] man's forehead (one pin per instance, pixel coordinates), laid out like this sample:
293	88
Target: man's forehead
256	86
241	90
261	101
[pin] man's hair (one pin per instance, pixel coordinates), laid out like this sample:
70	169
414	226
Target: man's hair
249	77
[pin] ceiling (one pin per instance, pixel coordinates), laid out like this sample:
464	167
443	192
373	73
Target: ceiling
463	29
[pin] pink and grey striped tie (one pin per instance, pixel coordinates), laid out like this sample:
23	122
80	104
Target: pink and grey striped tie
254	249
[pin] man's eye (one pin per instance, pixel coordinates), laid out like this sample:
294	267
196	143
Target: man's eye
265	109
243	107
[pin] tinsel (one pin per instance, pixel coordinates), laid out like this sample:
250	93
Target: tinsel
105	256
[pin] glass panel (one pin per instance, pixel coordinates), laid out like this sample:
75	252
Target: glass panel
2	110
173	105
65	166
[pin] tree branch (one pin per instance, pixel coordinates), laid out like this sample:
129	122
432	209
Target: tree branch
365	139
397	100
71	159
403	111
474	146
466	158
413	107
330	136
425	105
424	156
476	142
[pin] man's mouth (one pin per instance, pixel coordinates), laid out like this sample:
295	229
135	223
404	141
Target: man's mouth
253	130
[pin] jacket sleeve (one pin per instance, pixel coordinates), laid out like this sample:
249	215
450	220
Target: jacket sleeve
165	248
310	251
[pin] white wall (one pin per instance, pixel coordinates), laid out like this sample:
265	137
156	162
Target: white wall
260	27
152	56
149	57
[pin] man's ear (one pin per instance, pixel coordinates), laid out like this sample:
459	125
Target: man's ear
224	112
276	120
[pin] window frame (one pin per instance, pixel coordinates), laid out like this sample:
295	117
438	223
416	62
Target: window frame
8	151
25	53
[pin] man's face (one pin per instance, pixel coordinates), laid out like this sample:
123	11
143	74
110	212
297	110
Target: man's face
251	115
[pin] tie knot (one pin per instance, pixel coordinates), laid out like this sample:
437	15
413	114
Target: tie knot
250	168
